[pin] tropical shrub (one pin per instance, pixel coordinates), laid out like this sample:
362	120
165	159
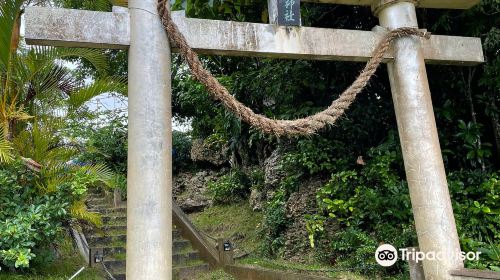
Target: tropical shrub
229	188
32	217
107	144
274	225
475	196
371	204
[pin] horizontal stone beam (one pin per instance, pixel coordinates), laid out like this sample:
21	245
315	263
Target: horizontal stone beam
78	28
433	4
436	4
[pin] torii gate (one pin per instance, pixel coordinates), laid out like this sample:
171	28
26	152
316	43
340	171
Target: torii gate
138	28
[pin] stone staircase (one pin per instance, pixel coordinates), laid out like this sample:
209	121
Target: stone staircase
111	239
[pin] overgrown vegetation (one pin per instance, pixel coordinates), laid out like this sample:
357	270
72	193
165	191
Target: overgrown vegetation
41	192
236	221
67	263
364	200
365	195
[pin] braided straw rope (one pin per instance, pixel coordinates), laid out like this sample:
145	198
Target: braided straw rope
305	126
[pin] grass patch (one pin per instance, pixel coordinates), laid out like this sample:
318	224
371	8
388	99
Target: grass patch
119	256
236	221
61	269
311	268
215	275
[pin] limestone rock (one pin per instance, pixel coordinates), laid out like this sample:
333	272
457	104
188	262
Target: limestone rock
273	174
190	189
300	203
256	200
214	154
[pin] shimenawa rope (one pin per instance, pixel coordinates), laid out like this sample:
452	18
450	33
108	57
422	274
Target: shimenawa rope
305	126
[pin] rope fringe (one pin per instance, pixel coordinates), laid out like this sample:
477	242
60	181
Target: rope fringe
305	126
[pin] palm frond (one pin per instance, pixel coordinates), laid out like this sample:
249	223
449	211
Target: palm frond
79	211
5	149
102	173
9	12
104	85
96	57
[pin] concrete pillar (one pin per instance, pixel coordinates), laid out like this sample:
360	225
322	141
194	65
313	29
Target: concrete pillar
149	193
424	166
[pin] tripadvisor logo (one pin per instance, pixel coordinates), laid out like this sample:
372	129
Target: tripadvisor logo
386	255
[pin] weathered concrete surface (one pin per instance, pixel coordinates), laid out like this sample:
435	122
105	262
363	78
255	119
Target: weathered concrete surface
449	4
425	173
149	174
474	274
268	40
246	272
435	4
76	28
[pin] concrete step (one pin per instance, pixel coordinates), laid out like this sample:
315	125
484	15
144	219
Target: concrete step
110	233
106	211
108	237
178	260
116	246
114	220
101	202
98	199
98	239
188	272
113	214
109	250
107	228
185	258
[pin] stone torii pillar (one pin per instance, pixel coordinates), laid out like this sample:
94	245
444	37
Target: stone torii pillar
149	178
149	240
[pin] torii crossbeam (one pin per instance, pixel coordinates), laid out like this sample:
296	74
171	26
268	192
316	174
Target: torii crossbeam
138	29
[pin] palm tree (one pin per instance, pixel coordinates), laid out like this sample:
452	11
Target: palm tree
37	93
35	80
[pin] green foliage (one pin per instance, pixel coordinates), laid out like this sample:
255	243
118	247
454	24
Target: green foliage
181	150
273	225
475	196
27	220
257	178
229	188
476	152
63	268
119	181
9	13
5	149
107	144
372	204
314	155
240	10
32	218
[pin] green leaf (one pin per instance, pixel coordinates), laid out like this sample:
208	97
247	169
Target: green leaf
5	149
9	11
104	85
